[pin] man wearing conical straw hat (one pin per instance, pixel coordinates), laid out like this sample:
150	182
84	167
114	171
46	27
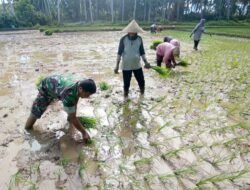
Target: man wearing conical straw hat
131	50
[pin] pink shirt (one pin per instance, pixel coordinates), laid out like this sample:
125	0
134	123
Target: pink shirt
166	51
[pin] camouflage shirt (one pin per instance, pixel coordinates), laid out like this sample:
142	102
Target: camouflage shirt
60	88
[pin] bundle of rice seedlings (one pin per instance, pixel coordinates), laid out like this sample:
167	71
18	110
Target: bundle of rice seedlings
182	63
87	122
155	44
90	142
163	72
39	80
48	32
104	86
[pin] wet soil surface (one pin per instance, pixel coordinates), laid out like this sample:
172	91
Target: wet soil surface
179	135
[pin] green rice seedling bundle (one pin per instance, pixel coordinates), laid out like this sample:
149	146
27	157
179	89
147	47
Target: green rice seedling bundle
104	86
182	63
87	122
155	44
90	142
48	32
163	72
39	80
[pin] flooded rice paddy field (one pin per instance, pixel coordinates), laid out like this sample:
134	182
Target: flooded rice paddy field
189	131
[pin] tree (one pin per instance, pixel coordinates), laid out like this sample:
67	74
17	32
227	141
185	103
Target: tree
135	4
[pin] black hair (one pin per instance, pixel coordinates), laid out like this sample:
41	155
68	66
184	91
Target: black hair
167	39
88	85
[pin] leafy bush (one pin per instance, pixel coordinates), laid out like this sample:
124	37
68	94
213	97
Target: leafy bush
8	21
48	32
155	44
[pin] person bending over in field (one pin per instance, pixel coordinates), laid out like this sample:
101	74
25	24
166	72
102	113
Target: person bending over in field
57	87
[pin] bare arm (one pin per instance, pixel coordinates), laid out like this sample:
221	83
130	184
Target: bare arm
76	123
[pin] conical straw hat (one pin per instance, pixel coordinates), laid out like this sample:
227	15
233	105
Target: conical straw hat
133	27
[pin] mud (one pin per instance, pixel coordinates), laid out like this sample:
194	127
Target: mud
170	138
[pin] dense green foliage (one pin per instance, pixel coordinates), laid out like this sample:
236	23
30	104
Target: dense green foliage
27	13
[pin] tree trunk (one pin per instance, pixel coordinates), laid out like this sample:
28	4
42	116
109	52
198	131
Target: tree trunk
228	9
4	7
85	10
47	2
163	10
178	10
149	11
91	11
80	10
169	10
12	12
58	12
134	9
145	11
112	10
122	11
202	10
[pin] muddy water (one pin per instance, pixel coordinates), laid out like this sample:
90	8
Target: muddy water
159	141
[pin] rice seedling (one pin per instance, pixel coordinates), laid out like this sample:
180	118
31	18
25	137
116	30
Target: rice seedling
222	177
35	168
144	161
172	153
81	157
104	86
182	63
189	170
39	80
64	162
87	122
15	179
82	170
149	177
90	142
155	44
164	178
163	72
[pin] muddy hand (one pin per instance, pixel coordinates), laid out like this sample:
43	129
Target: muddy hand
116	71
85	136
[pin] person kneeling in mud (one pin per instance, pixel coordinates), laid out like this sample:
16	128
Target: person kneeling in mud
168	53
59	88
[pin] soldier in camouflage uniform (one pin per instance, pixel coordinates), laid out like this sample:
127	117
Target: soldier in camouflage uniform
60	88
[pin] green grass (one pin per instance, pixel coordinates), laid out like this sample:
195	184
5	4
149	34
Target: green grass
88	122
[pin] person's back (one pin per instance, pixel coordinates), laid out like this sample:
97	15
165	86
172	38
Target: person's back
164	49
56	86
